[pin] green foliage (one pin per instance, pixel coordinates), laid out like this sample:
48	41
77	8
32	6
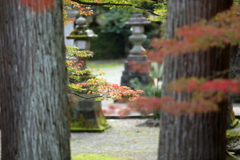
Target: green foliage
113	34
75	51
108	45
114	22
161	10
156	7
131	8
151	31
86	82
149	90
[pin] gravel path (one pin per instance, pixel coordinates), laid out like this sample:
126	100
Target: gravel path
124	139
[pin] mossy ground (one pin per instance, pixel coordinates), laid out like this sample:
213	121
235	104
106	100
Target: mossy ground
104	64
89	156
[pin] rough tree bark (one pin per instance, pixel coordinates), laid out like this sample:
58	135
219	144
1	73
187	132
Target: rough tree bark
201	136
33	82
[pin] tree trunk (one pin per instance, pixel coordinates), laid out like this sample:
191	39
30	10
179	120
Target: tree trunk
201	136
33	81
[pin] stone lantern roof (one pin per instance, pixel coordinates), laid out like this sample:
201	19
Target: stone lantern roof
137	19
81	31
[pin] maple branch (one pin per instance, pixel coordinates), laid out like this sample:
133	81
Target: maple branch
84	96
115	4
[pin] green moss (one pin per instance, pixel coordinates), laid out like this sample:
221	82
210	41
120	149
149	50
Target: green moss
79	33
88	156
233	138
232	134
81	124
102	120
234	123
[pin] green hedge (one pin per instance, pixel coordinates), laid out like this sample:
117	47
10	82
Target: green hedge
108	45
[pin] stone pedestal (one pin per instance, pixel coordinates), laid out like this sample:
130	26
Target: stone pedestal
86	114
129	73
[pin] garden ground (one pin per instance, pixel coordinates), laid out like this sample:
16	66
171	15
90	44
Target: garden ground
127	139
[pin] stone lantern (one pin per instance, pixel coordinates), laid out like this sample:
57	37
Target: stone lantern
86	113
81	35
137	53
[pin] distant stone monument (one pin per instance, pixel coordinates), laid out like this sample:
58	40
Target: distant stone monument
137	53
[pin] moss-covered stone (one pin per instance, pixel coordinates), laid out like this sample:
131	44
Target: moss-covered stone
80	33
86	115
82	124
233	141
232	135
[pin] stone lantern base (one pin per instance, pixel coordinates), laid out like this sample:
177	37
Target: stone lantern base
129	73
86	114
